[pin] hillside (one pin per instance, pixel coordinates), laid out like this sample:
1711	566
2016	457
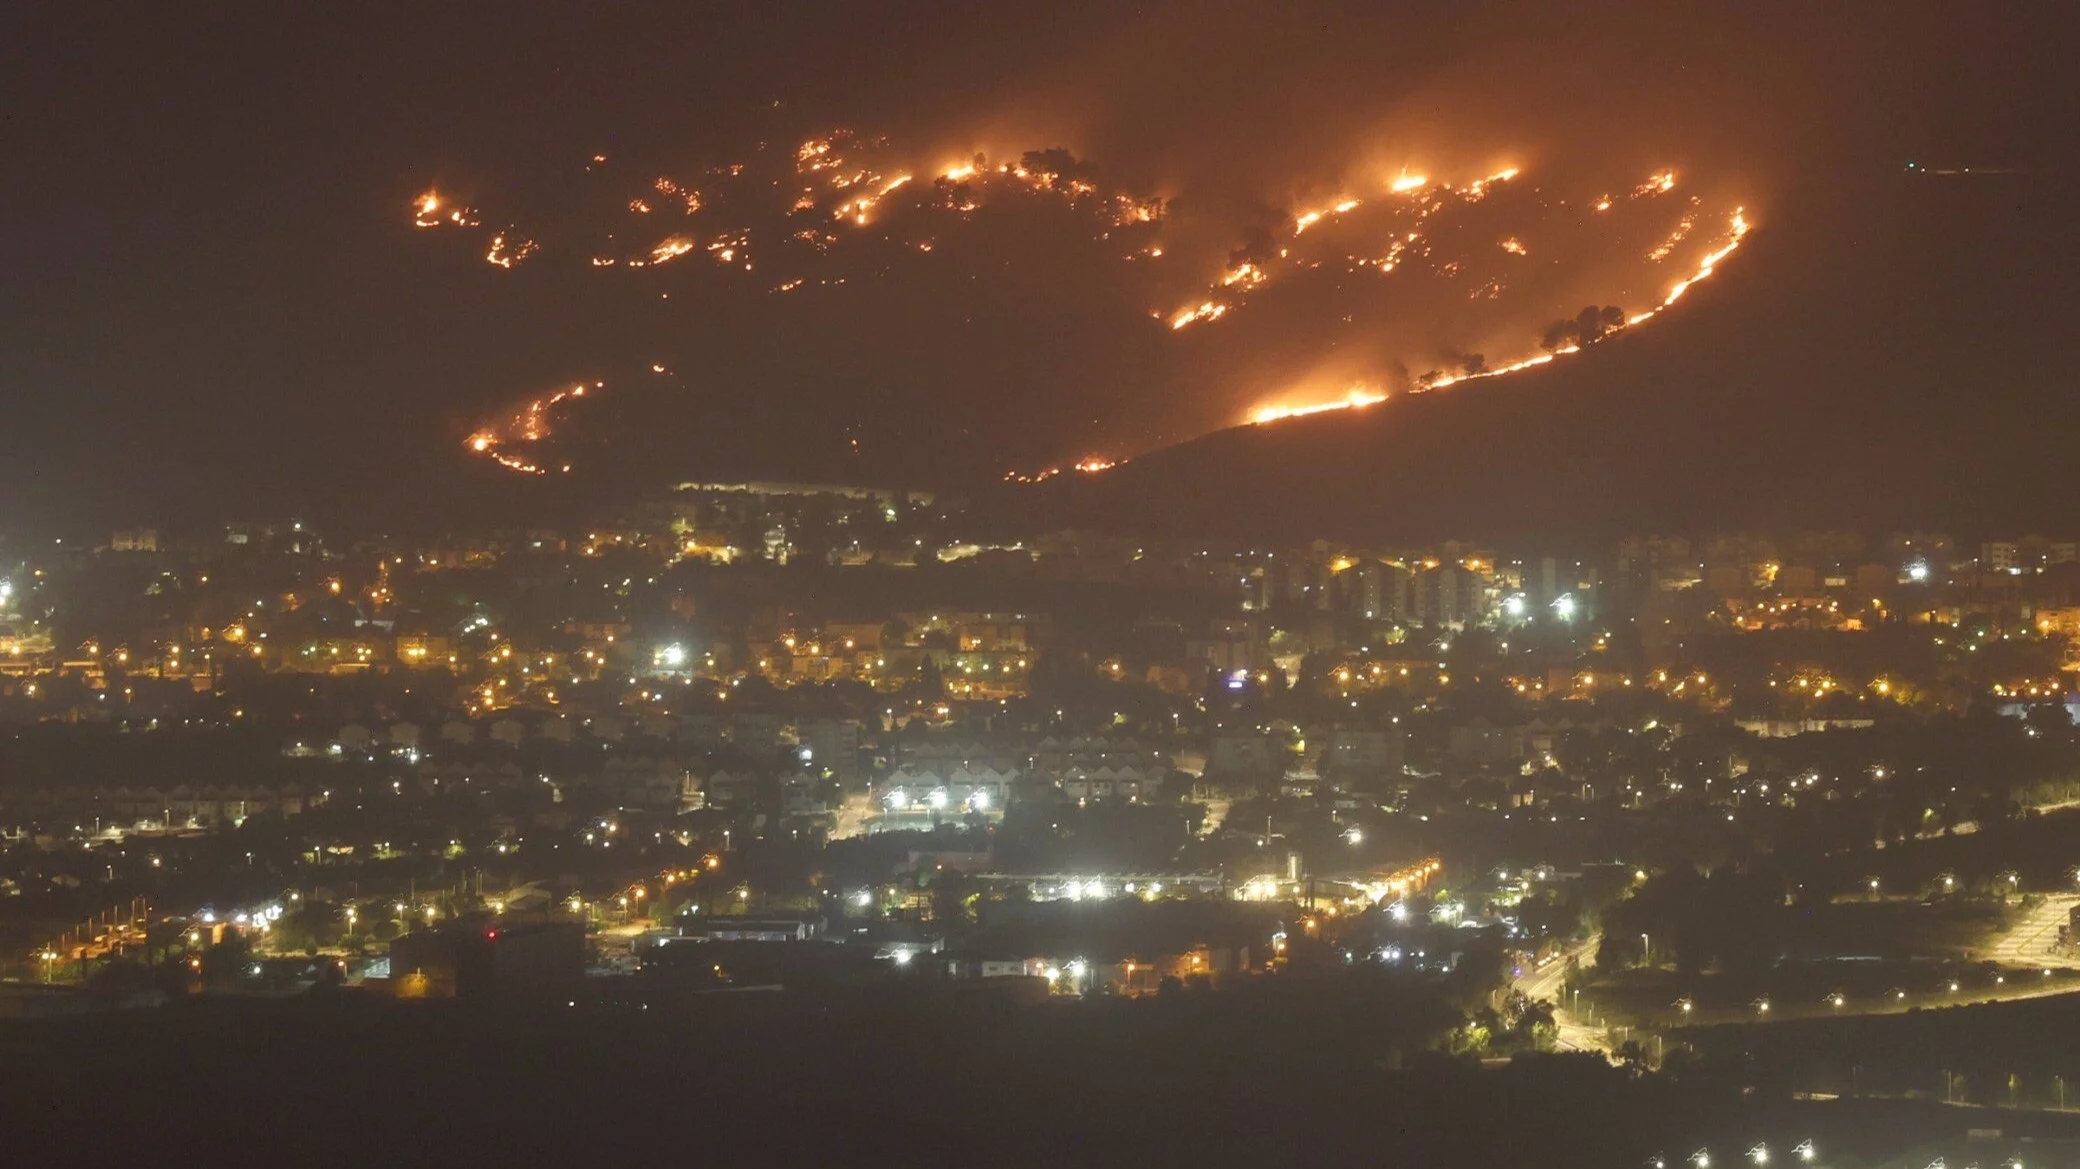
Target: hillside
1870	378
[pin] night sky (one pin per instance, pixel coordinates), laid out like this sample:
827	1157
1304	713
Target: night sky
214	303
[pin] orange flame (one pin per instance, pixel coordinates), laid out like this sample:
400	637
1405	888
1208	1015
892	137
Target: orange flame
1737	230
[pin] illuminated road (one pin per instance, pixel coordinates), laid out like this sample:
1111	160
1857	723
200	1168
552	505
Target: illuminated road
853	814
2032	941
1546	983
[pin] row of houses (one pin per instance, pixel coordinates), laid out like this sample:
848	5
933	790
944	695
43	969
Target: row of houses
151	807
1049	752
912	791
833	742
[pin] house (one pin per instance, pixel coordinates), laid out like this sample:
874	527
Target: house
926	791
1479	741
645	783
730	789
830	744
800	927
1364	754
1246	757
1106	782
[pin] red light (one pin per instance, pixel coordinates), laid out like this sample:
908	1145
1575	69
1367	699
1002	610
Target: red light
490	934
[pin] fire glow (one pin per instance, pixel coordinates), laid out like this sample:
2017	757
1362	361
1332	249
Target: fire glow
1358	398
1422	199
527	425
838	187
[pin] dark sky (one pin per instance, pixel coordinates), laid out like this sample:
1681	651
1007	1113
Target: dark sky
213	303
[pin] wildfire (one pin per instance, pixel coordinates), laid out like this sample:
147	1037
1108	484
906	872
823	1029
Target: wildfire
430	210
505	254
1090	465
1358	397
1427	199
1666	247
1477	190
526	425
1245	275
1308	219
848	182
690	200
1210	311
671	249
1736	232
725	248
809	202
1659	184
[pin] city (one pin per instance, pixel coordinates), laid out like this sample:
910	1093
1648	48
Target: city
1195	582
800	739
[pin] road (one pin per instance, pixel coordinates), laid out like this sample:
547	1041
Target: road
853	813
1546	981
2032	940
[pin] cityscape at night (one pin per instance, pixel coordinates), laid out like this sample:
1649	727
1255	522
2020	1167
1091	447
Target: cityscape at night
926	583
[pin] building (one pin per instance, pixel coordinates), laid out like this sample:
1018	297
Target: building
830	744
1482	742
1229	646
1381	591
800	927
1247	756
487	956
1364	755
